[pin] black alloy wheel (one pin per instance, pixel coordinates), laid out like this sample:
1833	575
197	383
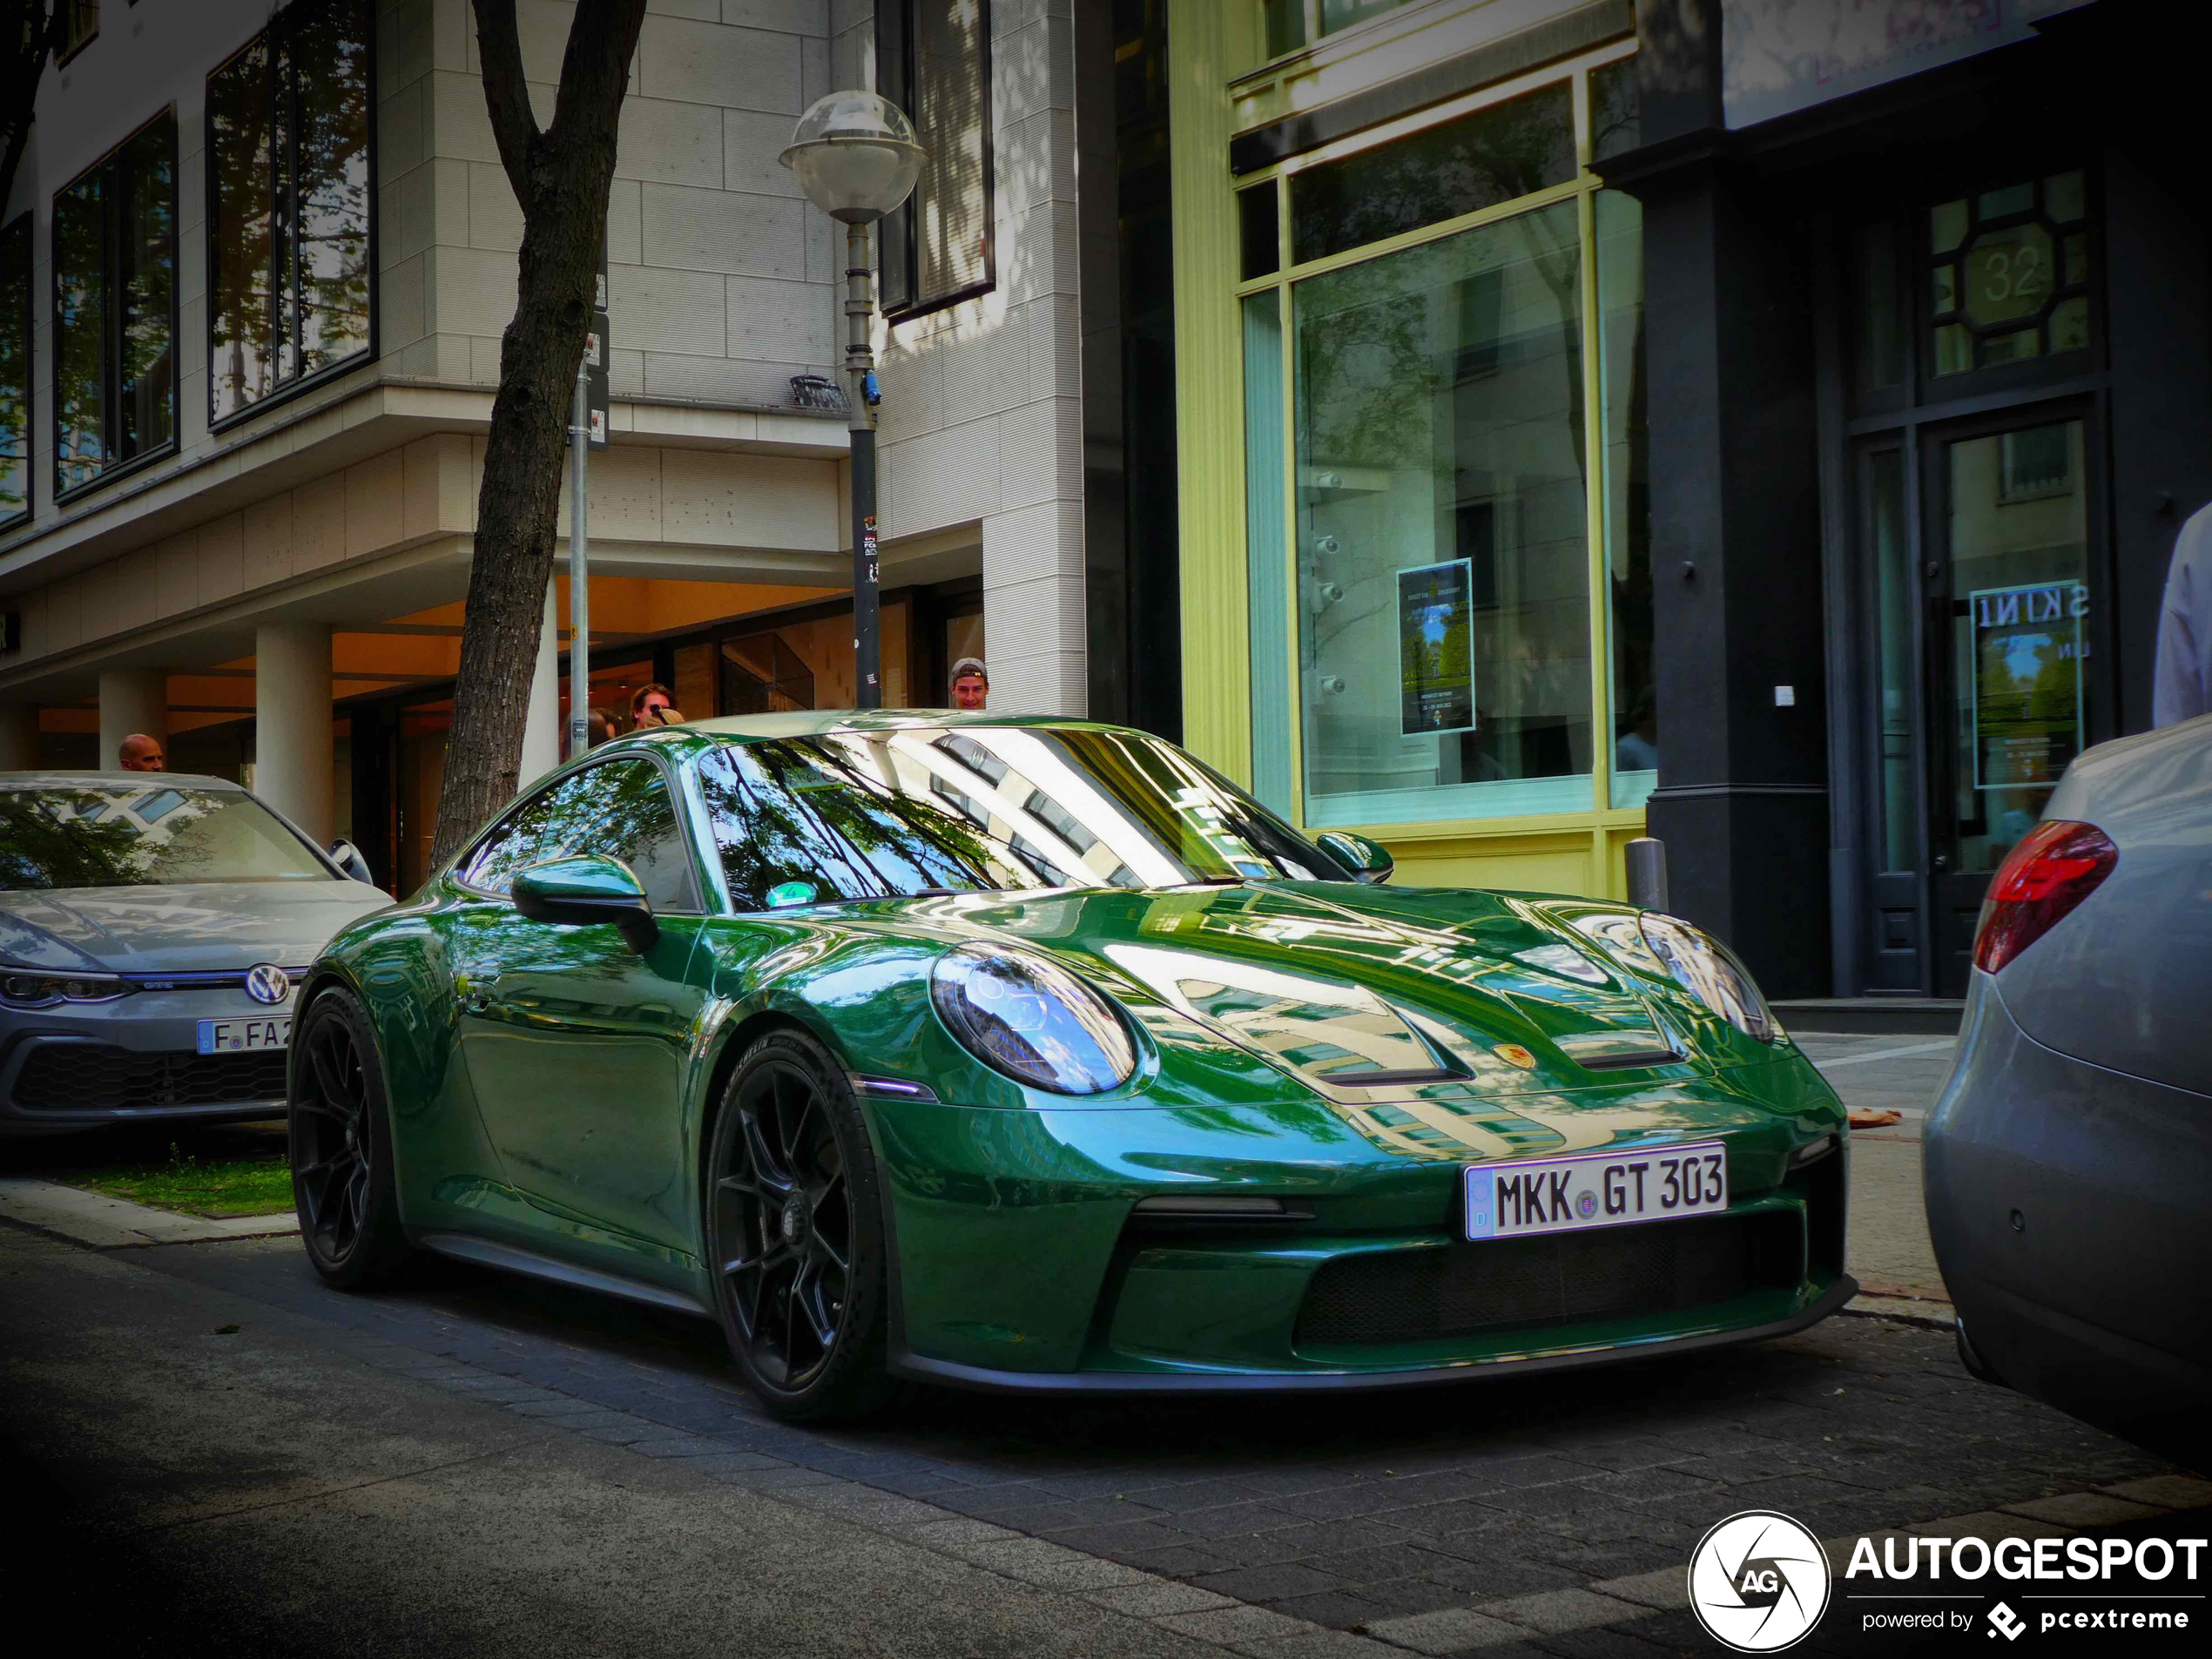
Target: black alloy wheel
796	1235
341	1146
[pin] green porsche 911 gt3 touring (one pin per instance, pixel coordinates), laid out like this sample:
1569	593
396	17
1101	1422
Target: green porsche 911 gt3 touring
1034	1054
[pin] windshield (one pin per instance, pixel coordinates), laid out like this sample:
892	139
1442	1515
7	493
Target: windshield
112	835
856	815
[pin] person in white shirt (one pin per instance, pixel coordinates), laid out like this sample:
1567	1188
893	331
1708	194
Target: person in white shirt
2182	681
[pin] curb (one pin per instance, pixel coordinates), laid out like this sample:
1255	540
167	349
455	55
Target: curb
95	1218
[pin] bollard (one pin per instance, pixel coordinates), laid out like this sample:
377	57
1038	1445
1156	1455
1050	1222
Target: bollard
1647	862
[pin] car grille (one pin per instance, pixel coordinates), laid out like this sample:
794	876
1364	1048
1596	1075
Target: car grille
98	1077
1557	1279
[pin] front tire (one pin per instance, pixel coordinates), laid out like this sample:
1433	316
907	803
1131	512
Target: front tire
339	1116
794	1233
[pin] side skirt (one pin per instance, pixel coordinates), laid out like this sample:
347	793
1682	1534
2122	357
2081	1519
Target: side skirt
485	1252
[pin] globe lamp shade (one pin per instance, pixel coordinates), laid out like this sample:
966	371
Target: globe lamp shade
855	156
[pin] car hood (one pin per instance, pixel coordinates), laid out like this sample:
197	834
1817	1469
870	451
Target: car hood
1358	989
203	928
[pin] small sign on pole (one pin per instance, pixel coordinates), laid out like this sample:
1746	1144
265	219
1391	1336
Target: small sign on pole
596	351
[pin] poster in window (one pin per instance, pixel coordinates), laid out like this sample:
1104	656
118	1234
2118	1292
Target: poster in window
1436	648
2026	682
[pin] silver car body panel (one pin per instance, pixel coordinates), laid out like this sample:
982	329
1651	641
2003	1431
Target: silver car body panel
185	948
2067	1165
2126	981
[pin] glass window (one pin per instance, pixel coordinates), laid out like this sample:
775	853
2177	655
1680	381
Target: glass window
622	809
1267	562
856	815
932	60
1292	24
288	174
115	253
83	23
1258	219
2020	627
115	836
1616	109
2008	274
1628	495
1895	686
15	370
1443	598
1490	156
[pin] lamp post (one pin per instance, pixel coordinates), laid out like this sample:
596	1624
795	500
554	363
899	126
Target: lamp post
855	156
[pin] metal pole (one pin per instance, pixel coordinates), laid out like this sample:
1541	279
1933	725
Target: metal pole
579	581
1646	859
860	359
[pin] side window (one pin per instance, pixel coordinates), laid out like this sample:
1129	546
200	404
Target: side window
766	833
541	828
622	809
637	824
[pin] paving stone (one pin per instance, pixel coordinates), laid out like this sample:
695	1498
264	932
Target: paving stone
2167	1490
1989	1525
1603	1643
1551	1610
1234	1627
1667	1588
1153	1598
1337	1609
1270	1583
1034	1561
1319	1644
1451	1630
2083	1509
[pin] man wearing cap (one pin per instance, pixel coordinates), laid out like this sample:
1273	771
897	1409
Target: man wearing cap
971	686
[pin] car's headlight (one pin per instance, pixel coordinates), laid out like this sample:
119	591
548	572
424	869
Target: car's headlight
33	988
1708	971
1029	1017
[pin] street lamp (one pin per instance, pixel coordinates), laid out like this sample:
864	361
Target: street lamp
855	156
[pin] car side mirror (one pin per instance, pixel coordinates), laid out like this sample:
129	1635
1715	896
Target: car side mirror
586	890
1369	861
348	857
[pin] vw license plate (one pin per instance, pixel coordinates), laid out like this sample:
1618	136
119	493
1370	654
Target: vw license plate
229	1036
1586	1189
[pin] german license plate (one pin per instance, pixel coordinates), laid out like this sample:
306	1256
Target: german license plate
1586	1190
231	1036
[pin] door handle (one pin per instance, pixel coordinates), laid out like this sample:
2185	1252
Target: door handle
477	991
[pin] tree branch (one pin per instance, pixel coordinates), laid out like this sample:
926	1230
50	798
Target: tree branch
506	94
595	72
27	41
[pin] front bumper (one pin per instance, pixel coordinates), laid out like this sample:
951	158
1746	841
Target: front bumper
1021	1260
79	1066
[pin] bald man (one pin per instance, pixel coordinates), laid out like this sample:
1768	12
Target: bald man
140	753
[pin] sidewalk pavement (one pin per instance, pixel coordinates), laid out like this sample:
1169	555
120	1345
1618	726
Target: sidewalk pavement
1889	1249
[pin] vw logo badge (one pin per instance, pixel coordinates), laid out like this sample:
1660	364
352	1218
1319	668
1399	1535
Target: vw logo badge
267	982
1759	1582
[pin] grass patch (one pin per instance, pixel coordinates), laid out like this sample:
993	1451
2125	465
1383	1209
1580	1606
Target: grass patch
215	1187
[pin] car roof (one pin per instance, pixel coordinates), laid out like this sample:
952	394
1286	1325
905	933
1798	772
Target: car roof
115	779
813	723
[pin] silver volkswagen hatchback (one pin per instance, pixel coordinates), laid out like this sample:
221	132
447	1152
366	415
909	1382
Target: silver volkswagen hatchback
151	926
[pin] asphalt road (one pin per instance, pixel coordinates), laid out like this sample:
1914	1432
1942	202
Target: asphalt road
215	1453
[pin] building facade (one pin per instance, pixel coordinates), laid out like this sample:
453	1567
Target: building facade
1505	428
1758	424
253	276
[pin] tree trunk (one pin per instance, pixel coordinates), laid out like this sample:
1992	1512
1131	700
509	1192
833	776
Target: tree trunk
561	179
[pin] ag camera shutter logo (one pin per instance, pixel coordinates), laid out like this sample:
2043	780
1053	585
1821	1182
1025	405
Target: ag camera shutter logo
1759	1582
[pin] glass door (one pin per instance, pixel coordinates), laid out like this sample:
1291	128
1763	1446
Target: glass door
2011	603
